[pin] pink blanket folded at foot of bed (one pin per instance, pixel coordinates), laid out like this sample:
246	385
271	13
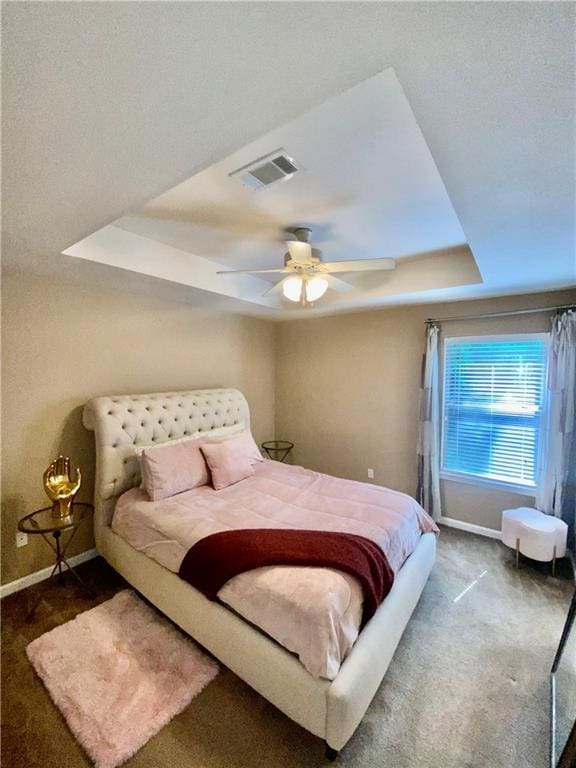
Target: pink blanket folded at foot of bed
217	558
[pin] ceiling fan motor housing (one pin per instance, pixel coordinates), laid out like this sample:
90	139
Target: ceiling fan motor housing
302	234
315	258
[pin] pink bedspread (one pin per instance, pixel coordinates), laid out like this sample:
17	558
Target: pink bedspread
313	612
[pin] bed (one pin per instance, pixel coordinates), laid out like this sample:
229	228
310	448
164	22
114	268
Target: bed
329	708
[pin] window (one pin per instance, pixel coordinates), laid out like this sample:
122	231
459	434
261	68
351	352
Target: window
493	392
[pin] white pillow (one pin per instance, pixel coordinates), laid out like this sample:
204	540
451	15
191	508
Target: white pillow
223	431
139	449
216	432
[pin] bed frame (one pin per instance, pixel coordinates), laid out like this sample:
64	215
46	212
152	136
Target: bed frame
329	709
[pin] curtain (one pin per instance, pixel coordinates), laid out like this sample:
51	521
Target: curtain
428	452
557	488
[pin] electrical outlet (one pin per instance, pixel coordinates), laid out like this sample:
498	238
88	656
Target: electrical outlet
370	474
21	539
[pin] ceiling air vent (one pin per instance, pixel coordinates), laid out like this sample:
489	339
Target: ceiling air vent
268	170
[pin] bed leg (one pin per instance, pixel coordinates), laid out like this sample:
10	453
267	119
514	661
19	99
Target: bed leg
331	754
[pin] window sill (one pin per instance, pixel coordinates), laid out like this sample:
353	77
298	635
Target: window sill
522	490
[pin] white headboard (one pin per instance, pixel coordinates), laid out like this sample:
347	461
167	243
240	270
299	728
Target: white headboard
123	422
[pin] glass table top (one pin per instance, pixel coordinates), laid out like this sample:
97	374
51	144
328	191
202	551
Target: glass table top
277	445
45	521
277	449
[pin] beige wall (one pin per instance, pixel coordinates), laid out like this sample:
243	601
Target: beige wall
347	393
67	339
344	388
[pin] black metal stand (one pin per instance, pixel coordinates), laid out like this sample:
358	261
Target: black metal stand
568	755
60	553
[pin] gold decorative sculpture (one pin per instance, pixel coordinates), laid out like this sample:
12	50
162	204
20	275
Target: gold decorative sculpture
60	487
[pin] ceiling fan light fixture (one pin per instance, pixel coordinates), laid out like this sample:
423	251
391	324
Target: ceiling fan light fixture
316	287
292	288
304	289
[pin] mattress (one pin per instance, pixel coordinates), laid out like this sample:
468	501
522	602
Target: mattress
313	612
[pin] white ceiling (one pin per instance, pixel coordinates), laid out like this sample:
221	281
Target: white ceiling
367	186
107	105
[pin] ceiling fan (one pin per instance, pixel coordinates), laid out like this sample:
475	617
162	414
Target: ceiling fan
307	277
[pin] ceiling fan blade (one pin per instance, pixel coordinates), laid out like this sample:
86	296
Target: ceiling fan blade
253	271
337	284
299	251
360	265
275	289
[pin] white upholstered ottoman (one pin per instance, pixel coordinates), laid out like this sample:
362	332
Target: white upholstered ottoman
534	534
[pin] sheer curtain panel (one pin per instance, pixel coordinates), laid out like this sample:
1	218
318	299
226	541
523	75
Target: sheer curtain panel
428	492
557	488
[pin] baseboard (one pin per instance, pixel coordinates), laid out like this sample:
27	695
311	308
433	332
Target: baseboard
470	527
34	578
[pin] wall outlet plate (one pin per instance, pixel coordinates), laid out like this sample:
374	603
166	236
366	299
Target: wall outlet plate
21	539
370	474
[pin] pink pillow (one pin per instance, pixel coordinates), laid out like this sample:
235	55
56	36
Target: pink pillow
171	469
246	445
228	463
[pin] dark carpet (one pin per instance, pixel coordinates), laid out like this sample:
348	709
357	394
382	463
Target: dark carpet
467	688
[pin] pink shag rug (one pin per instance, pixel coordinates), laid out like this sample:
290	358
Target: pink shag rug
119	673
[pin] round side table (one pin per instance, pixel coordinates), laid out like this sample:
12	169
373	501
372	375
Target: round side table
43	522
278	449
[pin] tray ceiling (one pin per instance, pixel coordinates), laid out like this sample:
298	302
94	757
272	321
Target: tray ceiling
367	185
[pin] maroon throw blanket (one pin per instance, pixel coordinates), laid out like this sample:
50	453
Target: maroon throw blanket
212	561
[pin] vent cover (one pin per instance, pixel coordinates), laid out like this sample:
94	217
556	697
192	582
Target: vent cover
266	171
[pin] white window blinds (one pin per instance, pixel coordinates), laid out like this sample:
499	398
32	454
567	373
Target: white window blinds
493	392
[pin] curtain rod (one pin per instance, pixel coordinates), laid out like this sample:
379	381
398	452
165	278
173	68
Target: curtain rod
500	314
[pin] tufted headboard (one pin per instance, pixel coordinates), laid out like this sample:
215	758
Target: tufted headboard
124	422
